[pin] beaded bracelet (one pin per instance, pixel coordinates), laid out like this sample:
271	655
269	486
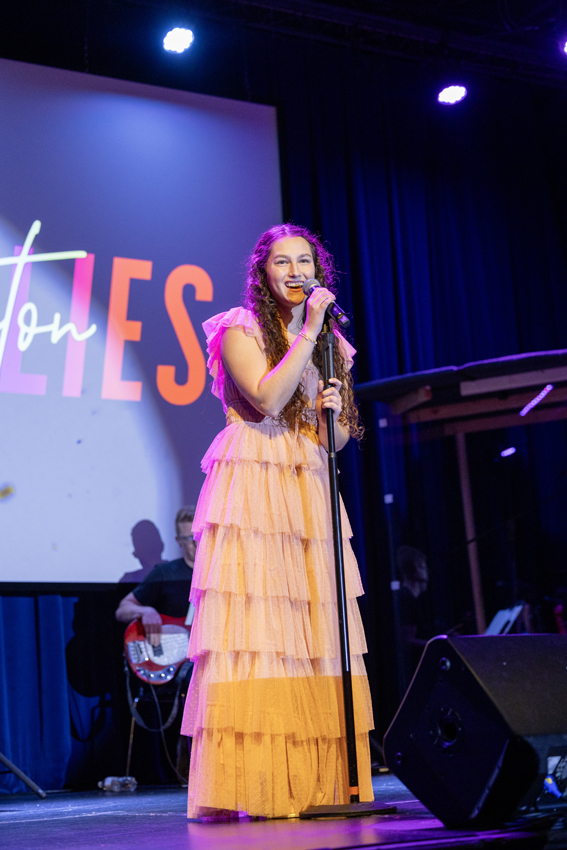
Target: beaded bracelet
308	338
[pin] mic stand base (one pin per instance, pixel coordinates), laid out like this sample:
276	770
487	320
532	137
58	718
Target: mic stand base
348	810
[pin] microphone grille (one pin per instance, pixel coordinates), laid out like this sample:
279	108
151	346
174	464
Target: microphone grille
309	285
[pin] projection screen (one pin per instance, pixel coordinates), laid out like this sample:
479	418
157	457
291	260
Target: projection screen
126	214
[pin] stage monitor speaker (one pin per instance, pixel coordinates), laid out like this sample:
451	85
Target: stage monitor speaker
482	725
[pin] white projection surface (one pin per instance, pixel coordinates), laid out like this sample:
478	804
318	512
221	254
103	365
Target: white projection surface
126	214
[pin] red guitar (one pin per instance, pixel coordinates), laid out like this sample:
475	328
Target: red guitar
157	664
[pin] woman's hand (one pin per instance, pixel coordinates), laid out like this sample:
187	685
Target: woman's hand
317	304
269	390
330	399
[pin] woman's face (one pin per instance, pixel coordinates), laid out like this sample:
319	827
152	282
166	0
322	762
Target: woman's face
290	263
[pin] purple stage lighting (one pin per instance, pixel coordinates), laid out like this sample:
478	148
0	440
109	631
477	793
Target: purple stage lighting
508	452
452	94
547	389
177	40
565	48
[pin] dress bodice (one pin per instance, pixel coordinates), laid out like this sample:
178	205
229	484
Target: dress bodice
234	404
237	407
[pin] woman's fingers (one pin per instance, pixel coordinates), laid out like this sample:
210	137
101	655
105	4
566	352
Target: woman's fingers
332	390
331	397
317	304
335	386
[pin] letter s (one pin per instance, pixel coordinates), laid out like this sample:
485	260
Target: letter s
190	391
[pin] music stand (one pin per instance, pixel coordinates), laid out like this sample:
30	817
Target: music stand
25	779
503	620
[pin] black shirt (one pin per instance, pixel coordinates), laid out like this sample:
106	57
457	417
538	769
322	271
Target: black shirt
414	611
167	588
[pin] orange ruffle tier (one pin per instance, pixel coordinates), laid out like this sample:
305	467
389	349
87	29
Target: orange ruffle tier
265	702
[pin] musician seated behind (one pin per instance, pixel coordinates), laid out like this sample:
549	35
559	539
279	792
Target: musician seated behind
166	589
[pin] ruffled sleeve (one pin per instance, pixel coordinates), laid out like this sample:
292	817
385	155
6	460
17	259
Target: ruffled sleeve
214	329
347	350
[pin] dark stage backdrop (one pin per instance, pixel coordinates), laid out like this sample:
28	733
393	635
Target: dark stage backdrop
450	229
450	226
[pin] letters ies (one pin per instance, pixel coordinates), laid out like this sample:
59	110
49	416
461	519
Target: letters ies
20	325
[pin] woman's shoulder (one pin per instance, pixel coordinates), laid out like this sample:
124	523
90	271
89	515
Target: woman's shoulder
237	317
215	328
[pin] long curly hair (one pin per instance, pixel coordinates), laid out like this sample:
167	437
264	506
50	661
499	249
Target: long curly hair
259	299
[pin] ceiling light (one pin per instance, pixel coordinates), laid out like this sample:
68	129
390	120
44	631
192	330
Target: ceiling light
177	40
452	94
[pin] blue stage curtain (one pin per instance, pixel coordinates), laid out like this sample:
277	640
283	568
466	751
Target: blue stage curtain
35	729
450	227
64	716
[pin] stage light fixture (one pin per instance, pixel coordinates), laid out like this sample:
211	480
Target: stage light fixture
177	40
565	48
451	95
508	452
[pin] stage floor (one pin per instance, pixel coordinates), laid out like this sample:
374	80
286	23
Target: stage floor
152	818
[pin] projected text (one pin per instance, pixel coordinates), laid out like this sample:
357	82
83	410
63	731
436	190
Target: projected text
17	336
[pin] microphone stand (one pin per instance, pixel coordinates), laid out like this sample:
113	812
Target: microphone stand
354	808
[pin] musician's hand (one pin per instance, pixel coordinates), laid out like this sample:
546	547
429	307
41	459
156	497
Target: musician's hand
151	622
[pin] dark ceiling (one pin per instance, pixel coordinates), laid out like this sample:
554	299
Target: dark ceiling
515	38
511	38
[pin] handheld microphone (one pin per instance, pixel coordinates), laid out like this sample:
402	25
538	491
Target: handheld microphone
333	309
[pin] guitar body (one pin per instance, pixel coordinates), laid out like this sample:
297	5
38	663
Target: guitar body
157	664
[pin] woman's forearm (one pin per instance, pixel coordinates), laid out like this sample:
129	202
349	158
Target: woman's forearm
267	390
277	387
341	435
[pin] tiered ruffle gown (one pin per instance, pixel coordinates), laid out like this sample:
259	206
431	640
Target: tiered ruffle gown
265	701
